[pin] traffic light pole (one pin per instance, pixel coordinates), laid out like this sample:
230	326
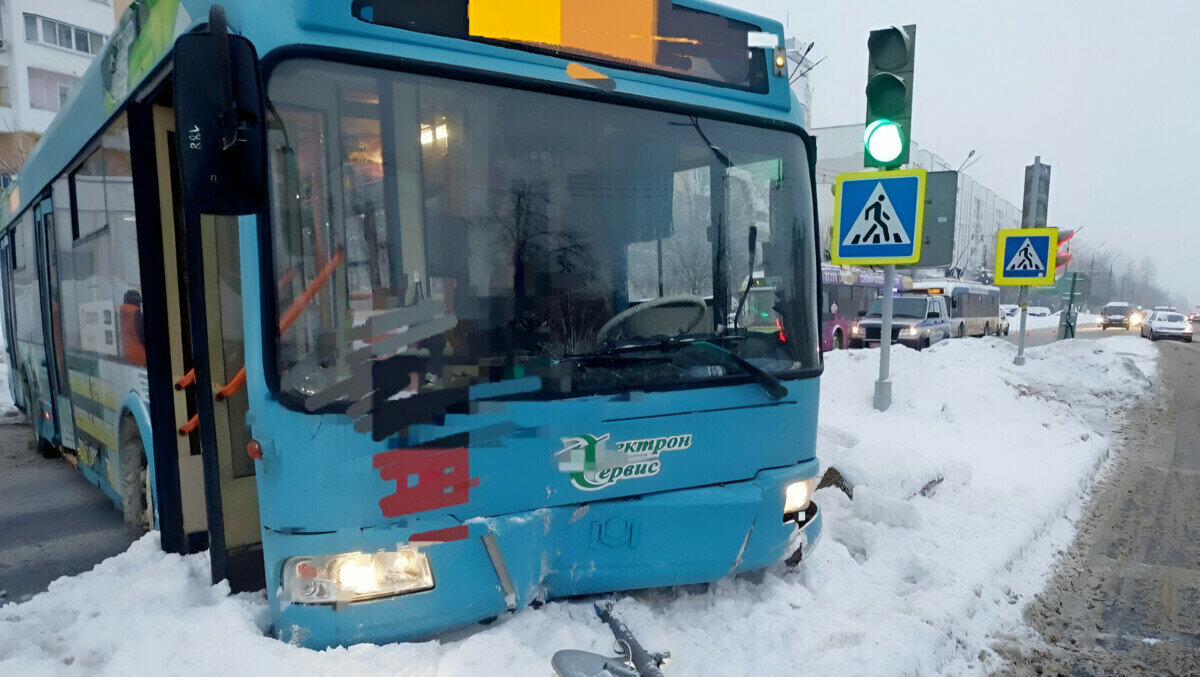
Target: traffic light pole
883	386
1033	214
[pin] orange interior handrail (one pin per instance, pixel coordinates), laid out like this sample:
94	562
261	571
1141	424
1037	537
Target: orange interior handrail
188	380
289	317
189	427
286	321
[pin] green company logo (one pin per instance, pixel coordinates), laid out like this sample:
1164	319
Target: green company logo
593	465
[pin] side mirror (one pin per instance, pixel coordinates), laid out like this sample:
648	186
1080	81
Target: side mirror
862	313
220	130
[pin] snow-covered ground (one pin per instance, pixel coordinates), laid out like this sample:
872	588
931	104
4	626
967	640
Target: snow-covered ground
903	582
1014	322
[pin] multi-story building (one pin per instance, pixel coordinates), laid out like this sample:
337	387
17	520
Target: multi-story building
45	46
981	212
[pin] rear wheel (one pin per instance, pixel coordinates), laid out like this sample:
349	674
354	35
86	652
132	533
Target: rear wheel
135	479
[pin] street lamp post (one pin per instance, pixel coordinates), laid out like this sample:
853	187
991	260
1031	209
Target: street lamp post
1110	277
1092	269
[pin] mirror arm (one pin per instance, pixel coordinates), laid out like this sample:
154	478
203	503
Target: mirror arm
220	29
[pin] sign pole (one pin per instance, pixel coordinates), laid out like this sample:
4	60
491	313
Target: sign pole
883	386
1023	301
878	220
1034	206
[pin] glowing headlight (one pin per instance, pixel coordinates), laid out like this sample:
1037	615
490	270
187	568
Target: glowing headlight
799	495
355	576
856	330
909	332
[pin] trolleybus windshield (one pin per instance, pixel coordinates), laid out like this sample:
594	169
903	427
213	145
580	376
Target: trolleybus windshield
432	236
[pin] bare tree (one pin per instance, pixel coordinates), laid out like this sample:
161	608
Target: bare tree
14	154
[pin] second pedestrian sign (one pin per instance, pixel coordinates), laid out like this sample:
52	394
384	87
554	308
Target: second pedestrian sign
1026	256
877	217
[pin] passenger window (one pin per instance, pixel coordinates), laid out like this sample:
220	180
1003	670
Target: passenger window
101	278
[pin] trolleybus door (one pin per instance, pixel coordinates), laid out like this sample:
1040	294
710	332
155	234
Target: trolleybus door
52	311
203	276
10	336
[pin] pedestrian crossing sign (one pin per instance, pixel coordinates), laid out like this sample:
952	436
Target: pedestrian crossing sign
877	217
1026	256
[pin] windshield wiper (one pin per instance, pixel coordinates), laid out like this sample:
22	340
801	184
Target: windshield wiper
613	359
773	386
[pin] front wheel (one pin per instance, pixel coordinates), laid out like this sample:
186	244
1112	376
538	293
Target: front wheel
923	344
47	448
136	501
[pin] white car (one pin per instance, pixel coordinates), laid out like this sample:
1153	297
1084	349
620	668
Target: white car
1163	324
1039	311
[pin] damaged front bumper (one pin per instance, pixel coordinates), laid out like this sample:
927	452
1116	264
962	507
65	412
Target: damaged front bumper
487	567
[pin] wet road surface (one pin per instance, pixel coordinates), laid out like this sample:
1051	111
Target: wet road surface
52	521
1126	597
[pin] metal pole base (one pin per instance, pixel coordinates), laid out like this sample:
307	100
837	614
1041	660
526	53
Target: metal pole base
883	394
1019	360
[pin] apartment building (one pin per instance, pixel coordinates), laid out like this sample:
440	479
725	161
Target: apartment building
45	47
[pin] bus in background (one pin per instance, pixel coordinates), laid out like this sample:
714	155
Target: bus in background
417	314
848	293
974	307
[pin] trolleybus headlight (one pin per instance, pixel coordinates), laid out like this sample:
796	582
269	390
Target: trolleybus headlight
355	576
798	495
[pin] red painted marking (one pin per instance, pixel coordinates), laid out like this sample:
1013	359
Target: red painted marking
443	479
306	570
440	535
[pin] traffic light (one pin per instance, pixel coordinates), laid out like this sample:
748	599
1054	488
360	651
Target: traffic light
1063	257
888	132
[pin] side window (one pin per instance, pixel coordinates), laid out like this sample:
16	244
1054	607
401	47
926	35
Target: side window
102	266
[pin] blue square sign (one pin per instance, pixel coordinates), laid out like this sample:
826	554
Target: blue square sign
1026	256
877	217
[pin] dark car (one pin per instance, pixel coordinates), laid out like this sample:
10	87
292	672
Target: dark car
1115	314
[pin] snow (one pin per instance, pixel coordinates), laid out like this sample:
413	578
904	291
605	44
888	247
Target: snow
963	492
1051	321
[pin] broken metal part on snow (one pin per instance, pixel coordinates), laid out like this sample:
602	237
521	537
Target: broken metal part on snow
632	659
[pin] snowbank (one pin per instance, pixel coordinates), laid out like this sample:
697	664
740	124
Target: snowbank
1014	322
963	490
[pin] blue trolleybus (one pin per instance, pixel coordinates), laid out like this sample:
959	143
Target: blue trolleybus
419	313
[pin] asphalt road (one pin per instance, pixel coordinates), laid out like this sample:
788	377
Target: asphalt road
1125	599
52	521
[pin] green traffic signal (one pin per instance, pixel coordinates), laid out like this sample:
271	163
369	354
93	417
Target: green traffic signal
883	141
891	57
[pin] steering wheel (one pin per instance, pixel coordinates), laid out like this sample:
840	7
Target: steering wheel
628	313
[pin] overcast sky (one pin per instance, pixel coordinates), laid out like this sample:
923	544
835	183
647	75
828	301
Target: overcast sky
1104	91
